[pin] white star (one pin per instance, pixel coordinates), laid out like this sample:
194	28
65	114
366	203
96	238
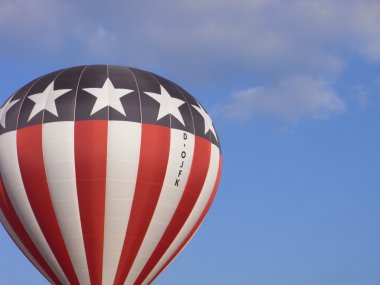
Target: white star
168	104
4	110
46	100
108	95
208	122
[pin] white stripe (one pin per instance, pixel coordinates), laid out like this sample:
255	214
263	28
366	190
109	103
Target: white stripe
195	213
123	155
10	172
15	238
179	165
59	160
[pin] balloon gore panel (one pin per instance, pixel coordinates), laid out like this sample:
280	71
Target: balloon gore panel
106	172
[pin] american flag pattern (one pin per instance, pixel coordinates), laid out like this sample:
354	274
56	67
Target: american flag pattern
106	173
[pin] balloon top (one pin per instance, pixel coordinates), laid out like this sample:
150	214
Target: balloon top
106	92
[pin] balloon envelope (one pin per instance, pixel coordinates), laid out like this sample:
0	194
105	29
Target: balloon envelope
106	173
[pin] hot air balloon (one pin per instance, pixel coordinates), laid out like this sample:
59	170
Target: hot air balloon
106	173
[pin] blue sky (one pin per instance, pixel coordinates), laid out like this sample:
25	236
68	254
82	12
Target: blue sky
294	91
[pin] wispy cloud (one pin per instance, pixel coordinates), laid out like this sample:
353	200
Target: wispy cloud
32	25
52	27
294	98
267	37
102	41
361	95
211	41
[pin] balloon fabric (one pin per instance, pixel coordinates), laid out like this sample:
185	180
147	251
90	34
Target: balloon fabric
106	173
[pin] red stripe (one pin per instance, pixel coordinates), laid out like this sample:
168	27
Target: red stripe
198	223
30	155
13	220
197	177
154	155
91	167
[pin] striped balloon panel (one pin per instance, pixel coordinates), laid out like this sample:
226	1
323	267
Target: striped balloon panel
106	173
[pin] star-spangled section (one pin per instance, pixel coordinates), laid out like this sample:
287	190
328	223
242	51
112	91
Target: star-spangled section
168	104
46	100
4	110
108	95
208	122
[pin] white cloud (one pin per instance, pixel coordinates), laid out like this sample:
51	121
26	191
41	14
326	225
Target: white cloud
30	25
362	99
270	38
367	18
52	27
361	95
294	98
210	41
102	41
